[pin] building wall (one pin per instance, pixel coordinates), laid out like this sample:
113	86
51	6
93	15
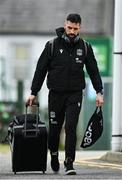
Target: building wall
43	16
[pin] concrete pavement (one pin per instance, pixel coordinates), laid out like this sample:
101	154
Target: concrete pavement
101	159
112	157
98	155
88	164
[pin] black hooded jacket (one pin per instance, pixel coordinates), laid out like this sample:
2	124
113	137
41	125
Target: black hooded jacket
64	68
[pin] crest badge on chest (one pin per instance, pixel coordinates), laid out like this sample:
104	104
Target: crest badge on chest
79	52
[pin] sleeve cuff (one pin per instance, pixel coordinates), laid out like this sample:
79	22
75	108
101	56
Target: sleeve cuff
33	93
100	92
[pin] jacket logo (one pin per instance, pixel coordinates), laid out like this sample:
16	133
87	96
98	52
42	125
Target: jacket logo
61	50
79	52
52	114
88	135
78	60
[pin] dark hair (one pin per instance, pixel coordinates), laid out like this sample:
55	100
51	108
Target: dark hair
74	18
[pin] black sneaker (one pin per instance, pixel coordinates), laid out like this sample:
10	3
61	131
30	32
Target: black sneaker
68	163
54	161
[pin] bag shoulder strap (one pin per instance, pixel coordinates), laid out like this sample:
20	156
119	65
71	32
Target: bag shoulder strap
51	43
85	46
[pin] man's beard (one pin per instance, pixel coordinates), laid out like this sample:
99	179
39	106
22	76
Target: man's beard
72	38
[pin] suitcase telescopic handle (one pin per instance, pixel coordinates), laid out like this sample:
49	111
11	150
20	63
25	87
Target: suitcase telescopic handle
37	118
34	104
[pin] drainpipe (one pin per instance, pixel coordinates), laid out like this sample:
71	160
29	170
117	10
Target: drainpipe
117	80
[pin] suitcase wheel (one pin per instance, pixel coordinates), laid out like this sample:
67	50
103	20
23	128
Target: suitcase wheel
14	172
43	172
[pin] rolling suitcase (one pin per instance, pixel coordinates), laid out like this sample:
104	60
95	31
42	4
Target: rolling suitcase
28	142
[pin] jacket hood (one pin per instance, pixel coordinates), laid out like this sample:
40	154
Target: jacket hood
60	31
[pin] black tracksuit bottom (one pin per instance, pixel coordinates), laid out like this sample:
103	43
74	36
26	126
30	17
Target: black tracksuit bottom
64	106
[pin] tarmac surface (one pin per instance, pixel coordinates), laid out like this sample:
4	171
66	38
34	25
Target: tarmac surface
88	164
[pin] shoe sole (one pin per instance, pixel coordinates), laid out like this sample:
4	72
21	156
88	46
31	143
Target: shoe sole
71	172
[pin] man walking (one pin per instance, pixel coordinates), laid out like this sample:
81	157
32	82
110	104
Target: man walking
63	62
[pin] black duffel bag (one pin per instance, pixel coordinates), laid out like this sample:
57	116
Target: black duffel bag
94	128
